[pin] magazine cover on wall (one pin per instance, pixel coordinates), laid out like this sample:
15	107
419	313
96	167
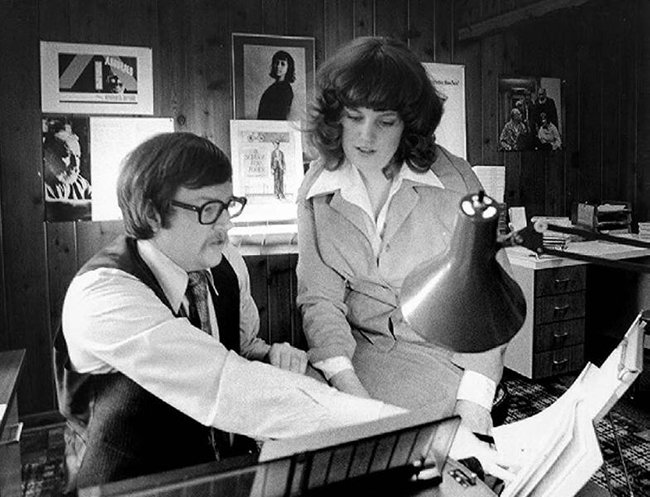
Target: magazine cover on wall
273	76
66	168
530	113
267	169
96	79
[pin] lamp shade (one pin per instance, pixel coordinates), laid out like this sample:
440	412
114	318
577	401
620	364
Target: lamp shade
463	300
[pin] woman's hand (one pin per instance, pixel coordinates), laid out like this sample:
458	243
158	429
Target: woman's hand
348	382
284	356
474	416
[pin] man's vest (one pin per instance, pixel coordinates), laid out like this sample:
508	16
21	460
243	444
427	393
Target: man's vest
122	430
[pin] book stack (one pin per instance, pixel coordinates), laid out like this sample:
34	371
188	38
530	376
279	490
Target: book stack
644	230
553	239
614	218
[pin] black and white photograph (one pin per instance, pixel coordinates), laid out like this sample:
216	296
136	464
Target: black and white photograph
530	113
273	76
325	248
66	168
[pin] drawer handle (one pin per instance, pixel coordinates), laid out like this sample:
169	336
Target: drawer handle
561	362
562	281
561	309
560	335
15	438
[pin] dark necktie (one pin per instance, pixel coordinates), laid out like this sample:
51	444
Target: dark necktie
197	296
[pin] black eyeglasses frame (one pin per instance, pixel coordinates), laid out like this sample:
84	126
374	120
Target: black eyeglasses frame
222	207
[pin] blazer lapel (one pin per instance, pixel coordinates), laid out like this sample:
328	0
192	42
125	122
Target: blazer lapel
401	206
352	213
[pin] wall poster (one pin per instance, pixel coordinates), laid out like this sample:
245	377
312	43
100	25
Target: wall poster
96	79
273	76
530	113
449	80
267	169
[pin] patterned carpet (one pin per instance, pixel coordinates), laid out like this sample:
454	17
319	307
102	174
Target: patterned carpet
42	449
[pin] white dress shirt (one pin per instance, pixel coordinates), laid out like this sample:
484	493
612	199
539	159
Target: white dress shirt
112	322
473	386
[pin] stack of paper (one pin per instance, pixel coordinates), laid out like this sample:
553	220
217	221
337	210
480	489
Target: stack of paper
644	231
557	447
553	239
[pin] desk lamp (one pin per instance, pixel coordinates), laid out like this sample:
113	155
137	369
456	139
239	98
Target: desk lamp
463	300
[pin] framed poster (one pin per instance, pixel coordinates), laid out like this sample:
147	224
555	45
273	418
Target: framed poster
530	113
96	79
449	80
267	169
273	76
111	139
67	187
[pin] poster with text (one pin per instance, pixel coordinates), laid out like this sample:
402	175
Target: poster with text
449	80
96	79
267	168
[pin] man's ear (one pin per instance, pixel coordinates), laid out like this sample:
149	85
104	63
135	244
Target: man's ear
153	217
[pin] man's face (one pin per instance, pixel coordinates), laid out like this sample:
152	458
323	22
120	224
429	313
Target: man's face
191	245
541	95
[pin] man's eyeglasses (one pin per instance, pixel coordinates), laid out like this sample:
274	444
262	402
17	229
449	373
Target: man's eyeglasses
210	211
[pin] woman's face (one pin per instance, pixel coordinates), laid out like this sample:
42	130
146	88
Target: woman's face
370	138
281	68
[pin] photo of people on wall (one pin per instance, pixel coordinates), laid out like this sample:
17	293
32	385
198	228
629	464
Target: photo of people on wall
530	113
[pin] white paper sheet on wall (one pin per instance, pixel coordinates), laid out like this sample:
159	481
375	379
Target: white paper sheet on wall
493	179
111	138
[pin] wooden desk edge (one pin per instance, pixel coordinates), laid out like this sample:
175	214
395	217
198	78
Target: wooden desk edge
11	364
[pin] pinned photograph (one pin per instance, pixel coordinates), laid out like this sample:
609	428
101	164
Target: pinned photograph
273	76
530	113
66	169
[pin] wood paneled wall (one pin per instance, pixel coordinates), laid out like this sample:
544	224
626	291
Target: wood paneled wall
191	61
595	51
600	51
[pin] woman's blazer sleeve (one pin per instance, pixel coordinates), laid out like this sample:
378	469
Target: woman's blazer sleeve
321	290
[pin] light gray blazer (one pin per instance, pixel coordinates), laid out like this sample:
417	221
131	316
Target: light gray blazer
339	285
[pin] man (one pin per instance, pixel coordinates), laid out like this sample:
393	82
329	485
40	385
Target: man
546	105
278	167
67	192
145	369
513	132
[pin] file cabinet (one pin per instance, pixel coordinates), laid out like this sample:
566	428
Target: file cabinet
552	338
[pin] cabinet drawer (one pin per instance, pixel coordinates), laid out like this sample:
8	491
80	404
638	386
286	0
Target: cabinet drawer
559	307
565	279
559	361
560	334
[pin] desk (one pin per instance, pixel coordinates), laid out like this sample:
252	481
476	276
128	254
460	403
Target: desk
566	301
10	429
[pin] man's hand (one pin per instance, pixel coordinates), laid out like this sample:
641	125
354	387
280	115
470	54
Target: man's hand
474	416
348	382
284	356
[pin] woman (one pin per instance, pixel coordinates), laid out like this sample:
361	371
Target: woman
381	199
277	99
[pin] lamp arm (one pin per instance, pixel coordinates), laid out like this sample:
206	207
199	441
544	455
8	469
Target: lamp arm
531	237
591	235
